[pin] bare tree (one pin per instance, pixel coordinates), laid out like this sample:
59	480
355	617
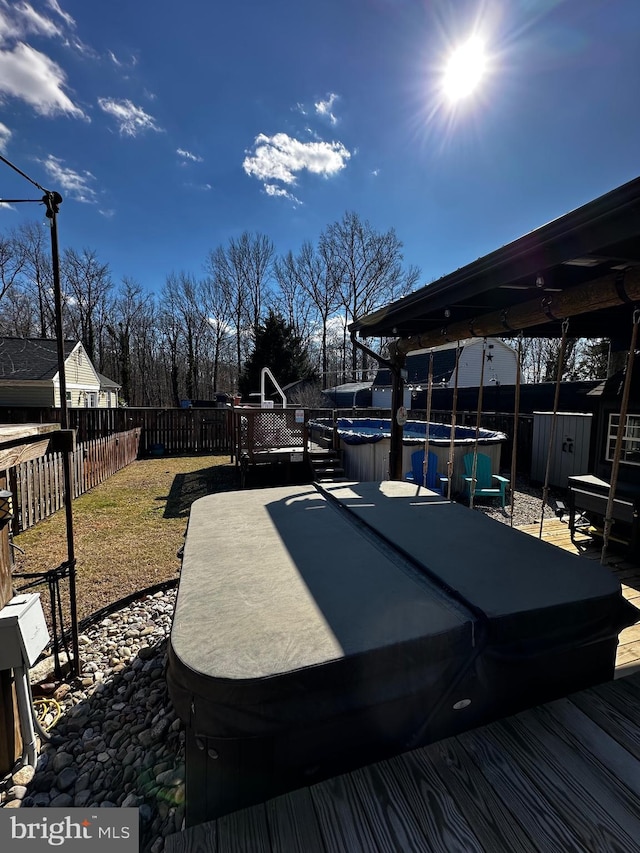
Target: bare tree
241	270
18	315
218	313
292	299
368	266
88	285
12	262
37	274
128	329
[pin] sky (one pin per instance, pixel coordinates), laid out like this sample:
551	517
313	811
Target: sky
169	128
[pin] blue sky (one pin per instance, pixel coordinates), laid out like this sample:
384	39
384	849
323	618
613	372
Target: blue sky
170	127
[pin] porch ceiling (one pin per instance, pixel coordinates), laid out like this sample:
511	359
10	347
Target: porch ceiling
584	265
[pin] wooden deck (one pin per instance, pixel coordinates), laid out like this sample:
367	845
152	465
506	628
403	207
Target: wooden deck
627	572
564	776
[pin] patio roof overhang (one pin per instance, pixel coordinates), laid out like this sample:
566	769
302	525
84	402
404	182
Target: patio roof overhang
584	266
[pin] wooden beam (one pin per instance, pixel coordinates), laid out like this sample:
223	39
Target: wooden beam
22	442
594	296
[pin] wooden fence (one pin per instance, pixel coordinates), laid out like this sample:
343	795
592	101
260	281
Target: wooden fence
174	430
38	485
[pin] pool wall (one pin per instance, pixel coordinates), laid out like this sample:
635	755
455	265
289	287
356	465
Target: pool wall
368	460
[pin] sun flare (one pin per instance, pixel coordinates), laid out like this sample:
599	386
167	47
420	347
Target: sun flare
464	70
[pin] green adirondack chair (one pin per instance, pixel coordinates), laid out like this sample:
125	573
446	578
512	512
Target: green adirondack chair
487	485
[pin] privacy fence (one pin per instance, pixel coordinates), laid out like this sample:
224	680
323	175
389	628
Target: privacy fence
162	430
38	485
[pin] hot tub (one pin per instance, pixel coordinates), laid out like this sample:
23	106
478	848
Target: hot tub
317	630
365	444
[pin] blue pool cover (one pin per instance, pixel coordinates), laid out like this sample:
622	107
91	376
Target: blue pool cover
370	430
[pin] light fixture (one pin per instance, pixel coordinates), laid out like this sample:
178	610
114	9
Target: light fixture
6	505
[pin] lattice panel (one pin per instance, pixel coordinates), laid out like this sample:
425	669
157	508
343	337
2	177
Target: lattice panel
276	429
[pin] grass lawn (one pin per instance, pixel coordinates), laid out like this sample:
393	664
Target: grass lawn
127	530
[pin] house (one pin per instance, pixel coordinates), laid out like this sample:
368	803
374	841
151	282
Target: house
499	369
29	375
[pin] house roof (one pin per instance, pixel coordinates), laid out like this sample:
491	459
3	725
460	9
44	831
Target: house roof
593	251
30	358
105	382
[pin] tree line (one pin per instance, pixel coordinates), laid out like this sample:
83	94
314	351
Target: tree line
195	335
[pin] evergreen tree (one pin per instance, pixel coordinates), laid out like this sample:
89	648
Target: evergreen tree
279	348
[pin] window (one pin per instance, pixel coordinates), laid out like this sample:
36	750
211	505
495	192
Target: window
630	439
68	394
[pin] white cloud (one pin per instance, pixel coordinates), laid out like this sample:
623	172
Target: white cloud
113	58
131	119
27	74
66	17
199	187
34	22
76	184
19	20
107	213
275	190
281	158
187	155
5	136
325	108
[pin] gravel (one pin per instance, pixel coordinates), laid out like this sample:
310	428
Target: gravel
527	505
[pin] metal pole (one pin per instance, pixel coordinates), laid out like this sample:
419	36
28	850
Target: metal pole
52	201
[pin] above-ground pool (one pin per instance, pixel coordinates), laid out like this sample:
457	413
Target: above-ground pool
365	445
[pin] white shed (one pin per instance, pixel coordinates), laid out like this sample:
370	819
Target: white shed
499	369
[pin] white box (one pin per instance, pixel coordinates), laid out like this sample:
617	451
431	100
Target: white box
23	631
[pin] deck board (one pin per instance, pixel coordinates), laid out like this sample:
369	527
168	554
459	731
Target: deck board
562	776
435	817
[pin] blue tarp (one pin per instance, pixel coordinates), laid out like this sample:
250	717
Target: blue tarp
370	430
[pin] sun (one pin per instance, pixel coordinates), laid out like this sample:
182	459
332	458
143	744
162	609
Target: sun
464	70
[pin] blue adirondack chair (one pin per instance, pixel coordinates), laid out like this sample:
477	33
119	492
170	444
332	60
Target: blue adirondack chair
487	485
434	481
